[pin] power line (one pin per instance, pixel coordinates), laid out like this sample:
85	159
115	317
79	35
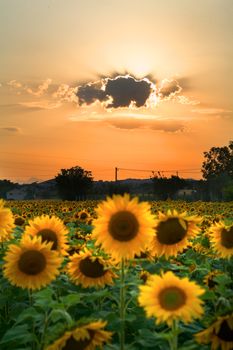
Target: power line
163	171
160	172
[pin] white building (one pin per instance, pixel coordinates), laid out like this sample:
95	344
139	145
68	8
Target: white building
185	193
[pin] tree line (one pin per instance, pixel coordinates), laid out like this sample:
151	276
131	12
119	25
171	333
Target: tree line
217	183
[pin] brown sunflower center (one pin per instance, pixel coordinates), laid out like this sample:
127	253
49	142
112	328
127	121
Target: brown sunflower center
225	333
211	283
93	269
49	236
170	231
143	255
19	221
123	226
73	344
172	298
32	262
83	216
227	238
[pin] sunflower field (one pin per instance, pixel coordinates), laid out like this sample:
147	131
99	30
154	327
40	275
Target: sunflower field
118	274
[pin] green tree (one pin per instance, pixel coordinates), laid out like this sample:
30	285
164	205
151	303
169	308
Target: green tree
74	183
5	186
218	161
165	188
228	191
117	188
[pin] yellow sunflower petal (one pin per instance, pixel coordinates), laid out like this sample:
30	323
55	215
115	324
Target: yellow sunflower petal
86	337
221	237
124	227
173	232
89	270
32	264
168	298
50	229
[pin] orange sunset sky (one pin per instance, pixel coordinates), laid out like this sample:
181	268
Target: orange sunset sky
138	84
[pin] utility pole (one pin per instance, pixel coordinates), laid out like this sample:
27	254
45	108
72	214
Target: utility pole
116	170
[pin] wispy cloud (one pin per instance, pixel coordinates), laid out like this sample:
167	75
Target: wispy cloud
65	93
133	121
168	89
56	94
38	105
169	126
39	91
10	129
211	111
14	84
42	88
185	100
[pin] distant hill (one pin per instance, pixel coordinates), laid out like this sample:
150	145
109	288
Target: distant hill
48	190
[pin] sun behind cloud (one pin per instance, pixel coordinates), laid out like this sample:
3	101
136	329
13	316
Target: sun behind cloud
118	92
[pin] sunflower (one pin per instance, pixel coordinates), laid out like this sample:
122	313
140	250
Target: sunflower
172	233
219	334
83	215
209	279
75	248
221	237
86	337
170	298
79	234
6	222
144	275
124	227
50	229
89	270
19	220
192	267
31	264
199	248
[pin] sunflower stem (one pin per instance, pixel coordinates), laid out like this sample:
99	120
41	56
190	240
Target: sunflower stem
44	331
6	311
122	305
30	297
174	336
230	262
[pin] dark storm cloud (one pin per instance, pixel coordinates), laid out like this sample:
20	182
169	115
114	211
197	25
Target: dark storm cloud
116	92
168	89
89	93
125	90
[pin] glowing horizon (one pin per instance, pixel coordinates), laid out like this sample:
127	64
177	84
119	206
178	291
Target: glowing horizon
152	91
